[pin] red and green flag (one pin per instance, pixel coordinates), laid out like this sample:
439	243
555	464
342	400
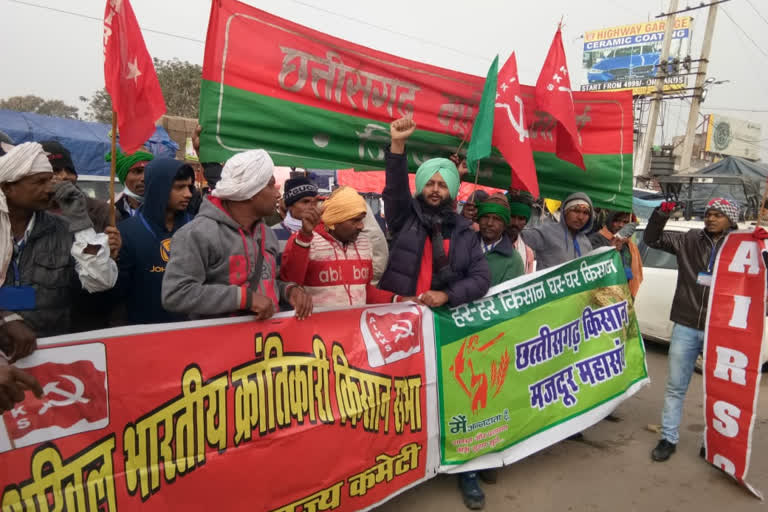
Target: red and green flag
313	100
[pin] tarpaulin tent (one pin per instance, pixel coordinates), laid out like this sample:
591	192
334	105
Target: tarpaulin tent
373	181
747	193
87	141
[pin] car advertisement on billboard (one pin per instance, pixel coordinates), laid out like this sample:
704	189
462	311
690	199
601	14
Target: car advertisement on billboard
628	56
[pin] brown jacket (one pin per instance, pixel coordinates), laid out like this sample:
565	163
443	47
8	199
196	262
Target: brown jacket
694	250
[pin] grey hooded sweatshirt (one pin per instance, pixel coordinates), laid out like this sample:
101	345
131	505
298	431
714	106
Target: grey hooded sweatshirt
553	242
212	269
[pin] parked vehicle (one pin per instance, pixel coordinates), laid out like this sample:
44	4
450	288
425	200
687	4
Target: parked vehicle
654	299
97	187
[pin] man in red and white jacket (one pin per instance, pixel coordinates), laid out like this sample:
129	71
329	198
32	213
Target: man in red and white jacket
330	259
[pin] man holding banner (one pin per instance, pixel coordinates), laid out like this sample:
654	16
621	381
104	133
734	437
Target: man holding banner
435	254
211	270
696	252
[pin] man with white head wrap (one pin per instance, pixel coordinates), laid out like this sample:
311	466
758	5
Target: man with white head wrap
225	260
45	258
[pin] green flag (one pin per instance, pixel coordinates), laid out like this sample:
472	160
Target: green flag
482	131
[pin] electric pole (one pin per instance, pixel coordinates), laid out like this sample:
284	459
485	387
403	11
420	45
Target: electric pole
661	73
701	76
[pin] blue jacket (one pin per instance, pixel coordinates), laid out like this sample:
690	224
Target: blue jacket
146	247
404	216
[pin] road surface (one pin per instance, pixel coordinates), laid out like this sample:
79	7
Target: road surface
611	469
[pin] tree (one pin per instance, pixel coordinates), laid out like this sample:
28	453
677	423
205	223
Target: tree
179	81
38	105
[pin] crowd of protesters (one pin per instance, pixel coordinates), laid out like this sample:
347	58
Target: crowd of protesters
174	255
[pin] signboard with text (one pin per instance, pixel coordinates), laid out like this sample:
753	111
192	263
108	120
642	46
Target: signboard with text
628	57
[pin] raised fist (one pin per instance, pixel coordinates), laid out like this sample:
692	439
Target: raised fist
402	128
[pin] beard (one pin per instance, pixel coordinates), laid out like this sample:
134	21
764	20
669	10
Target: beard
445	206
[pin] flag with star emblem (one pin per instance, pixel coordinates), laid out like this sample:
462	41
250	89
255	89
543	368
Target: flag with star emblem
129	77
480	144
510	135
554	96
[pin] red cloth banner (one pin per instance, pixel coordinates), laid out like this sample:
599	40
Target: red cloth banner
732	361
329	413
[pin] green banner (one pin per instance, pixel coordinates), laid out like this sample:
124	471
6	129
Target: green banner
538	359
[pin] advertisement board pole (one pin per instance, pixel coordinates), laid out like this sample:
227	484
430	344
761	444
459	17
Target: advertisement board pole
653	116
701	76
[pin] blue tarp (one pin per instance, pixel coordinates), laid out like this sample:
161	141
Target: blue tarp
88	142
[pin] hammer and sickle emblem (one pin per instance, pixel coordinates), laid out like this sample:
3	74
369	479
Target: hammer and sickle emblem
67	397
403	328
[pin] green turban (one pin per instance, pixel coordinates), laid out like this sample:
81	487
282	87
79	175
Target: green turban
502	211
124	162
520	204
447	170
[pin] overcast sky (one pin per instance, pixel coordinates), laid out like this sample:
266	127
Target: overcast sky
59	56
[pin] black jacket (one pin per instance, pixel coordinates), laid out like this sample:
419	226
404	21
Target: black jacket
46	264
694	250
404	218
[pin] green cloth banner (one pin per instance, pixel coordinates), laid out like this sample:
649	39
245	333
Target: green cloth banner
540	358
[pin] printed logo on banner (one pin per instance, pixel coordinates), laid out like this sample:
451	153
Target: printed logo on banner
475	382
74	382
393	335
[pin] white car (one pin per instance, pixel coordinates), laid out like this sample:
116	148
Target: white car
97	187
654	299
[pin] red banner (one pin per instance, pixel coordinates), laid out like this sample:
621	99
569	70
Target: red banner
732	354
326	413
302	65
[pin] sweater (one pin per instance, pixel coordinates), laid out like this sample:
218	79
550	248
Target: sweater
213	265
504	261
554	243
333	274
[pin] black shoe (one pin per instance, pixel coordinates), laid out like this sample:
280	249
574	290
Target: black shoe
578	436
471	493
764	368
663	450
489	476
703	452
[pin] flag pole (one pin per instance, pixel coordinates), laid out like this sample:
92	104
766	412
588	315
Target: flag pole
477	175
112	170
760	208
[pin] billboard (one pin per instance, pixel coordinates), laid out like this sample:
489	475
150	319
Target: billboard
735	137
627	57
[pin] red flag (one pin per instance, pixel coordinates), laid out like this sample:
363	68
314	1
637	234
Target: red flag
510	135
553	95
74	382
130	77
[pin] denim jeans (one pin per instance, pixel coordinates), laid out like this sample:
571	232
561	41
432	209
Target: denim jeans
685	346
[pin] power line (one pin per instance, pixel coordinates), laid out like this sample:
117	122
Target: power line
745	33
85	16
756	110
385	29
758	12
